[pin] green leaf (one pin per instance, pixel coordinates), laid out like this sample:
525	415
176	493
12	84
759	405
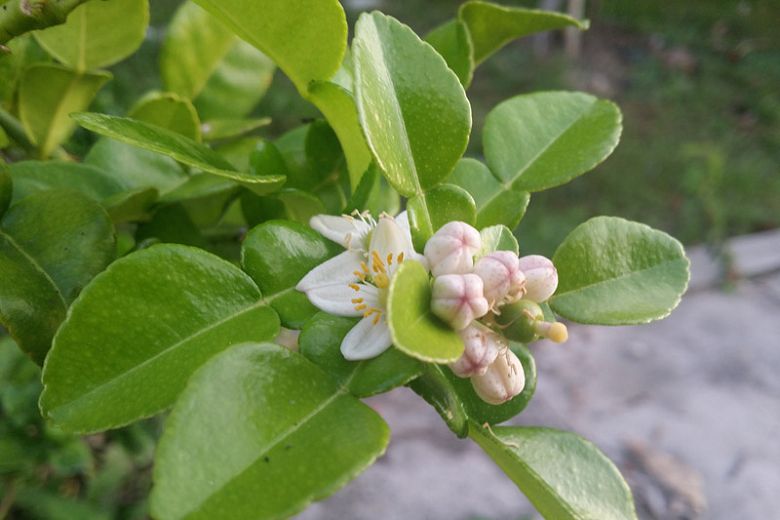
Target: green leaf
169	111
320	342
218	129
441	204
97	34
306	38
206	197
492	26
374	194
453	41
537	141
259	433
4	139
6	187
436	388
496	203
277	255
111	364
412	108
415	330
563	475
47	94
615	272
51	245
338	106
36	176
288	204
24	52
481	412
205	61
497	238
176	146
135	168
171	224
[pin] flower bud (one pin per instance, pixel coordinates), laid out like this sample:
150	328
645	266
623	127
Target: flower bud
452	248
458	299
541	278
503	380
482	347
501	275
523	321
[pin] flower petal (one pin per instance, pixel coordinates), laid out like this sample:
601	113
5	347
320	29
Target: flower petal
366	340
339	270
388	238
345	230
335	299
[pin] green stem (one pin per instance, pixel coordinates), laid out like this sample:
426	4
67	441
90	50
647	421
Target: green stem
13	127
21	16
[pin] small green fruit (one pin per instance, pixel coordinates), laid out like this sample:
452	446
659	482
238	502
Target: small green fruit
518	320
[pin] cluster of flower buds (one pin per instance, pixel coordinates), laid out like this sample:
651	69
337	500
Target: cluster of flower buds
490	302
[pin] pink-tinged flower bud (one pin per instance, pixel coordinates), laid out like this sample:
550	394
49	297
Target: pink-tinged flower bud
541	278
501	275
503	380
452	248
458	299
482	347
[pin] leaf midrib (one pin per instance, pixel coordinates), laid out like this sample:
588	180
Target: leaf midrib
622	276
100	386
36	265
297	425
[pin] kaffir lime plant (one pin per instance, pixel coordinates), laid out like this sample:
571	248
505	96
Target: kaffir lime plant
163	269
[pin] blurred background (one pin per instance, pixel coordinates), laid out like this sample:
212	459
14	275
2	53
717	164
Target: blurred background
690	407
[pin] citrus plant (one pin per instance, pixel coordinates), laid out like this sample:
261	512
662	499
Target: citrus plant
258	289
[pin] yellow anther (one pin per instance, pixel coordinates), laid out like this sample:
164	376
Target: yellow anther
400	257
390	259
360	307
369	312
354	286
364	267
377	264
381	281
376	318
357	300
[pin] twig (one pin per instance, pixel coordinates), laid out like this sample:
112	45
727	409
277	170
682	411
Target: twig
21	16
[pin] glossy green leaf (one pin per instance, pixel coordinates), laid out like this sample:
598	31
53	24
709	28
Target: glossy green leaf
111	364
320	342
481	412
205	197
24	52
453	41
288	204
131	206
497	238
218	129
537	141
491	26
259	433
238	84
306	38
415	330
441	204
412	108
51	245
91	37
277	255
4	139
35	176
374	194
338	106
615	272
171	224
496	203
435	386
47	94
135	168
168	111
6	187
176	146
563	475
205	61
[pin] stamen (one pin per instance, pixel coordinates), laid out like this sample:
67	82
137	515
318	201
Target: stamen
389	258
354	286
381	281
401	257
377	318
361	307
357	300
365	268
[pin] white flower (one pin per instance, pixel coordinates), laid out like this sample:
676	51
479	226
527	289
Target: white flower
541	278
500	272
482	348
355	282
458	299
452	248
503	380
